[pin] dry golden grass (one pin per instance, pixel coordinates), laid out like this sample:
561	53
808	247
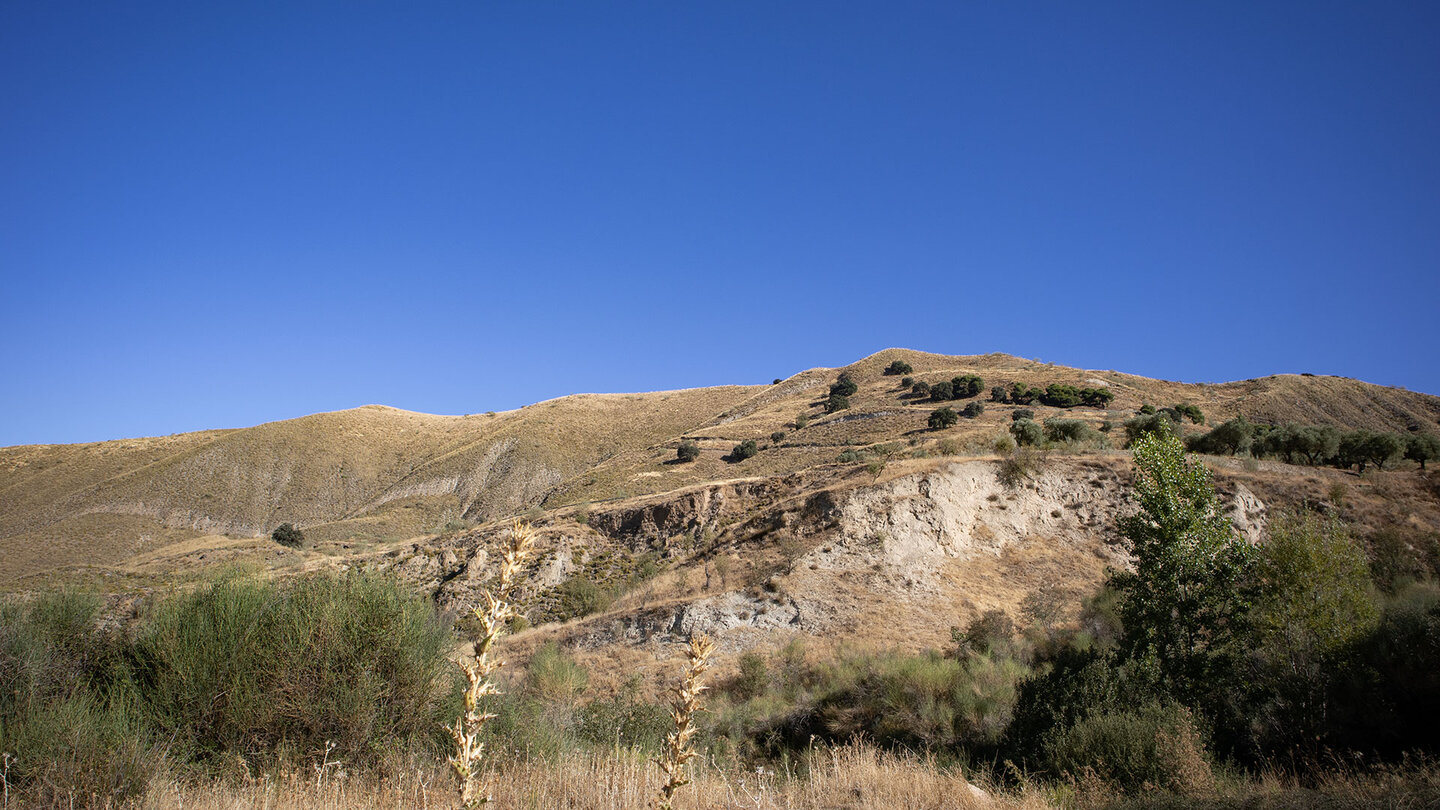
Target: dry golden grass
852	777
380	475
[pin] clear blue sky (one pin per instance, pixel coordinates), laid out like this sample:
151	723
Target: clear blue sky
215	215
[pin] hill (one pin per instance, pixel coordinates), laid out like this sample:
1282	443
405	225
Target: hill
377	475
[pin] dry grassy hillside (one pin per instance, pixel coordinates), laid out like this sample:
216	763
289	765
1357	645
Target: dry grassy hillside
376	475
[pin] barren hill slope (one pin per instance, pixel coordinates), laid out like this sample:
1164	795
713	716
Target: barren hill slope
380	475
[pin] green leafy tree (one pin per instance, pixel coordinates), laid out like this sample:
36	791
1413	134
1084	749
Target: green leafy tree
1190	412
973	410
942	391
1058	395
1147	424
1096	397
687	451
966	386
1021	394
777	437
836	402
920	389
744	450
1184	606
898	367
1422	447
1382	448
998	394
942	418
844	385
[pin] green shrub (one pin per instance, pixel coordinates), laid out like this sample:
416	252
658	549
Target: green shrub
997	394
622	722
67	707
836	402
1027	432
1058	395
1190	412
1021	413
1146	409
687	451
777	437
1156	746
744	450
801	420
1229	438
906	382
942	418
246	668
1021	394
1096	397
973	410
1157	424
844	385
898	367
754	677
920	389
852	456
579	596
966	386
942	391
287	535
1069	430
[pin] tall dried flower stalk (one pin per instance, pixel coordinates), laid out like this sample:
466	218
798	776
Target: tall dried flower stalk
684	703
478	673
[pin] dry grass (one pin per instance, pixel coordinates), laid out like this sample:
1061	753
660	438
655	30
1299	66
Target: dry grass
853	777
380	474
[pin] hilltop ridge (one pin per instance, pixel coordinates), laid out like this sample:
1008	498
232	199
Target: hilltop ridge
380	474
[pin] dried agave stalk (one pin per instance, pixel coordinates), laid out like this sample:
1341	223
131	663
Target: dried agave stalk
684	703
493	617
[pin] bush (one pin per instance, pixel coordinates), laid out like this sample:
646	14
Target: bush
942	391
1021	413
1096	397
966	386
777	437
1190	412
906	382
687	451
1137	750
1026	432
246	668
997	394
1020	394
836	402
1156	424
1229	438
67	707
1069	430
579	596
898	367
920	389
942	418
801	421
844	385
973	410
1146	409
287	535
1058	395
744	450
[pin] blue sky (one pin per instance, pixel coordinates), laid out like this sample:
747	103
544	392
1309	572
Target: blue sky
217	216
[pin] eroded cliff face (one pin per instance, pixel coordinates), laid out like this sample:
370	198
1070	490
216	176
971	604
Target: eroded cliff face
911	554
